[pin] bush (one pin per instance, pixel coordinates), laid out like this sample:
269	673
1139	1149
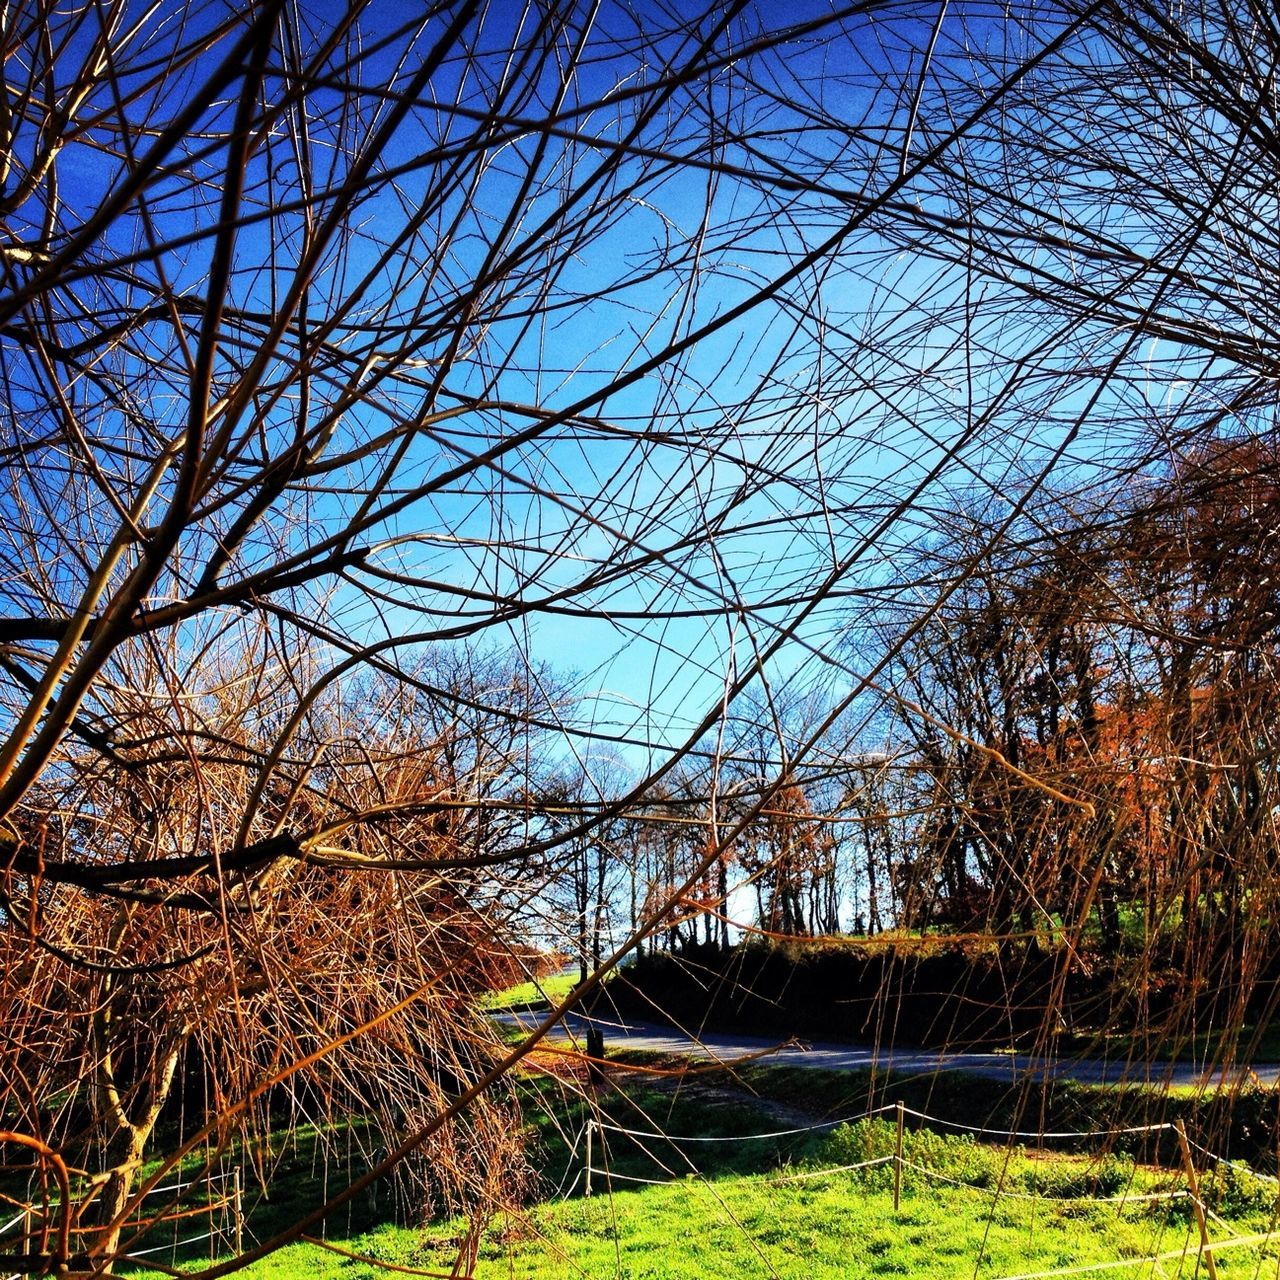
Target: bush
1235	1192
854	1143
955	1156
961	1158
1110	1175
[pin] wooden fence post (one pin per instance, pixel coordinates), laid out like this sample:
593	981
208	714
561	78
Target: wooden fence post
239	1210
897	1160
1197	1205
590	1126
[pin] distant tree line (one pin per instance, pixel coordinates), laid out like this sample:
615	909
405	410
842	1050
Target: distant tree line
1085	729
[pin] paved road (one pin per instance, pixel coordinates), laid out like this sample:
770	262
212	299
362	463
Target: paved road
1010	1067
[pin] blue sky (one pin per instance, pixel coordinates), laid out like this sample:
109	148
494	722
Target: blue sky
728	491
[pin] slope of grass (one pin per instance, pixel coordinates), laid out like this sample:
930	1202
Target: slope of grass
532	995
749	1226
778	1207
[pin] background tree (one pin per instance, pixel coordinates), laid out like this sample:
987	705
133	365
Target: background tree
593	871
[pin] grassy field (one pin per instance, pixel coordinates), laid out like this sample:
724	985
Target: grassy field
531	995
783	1206
748	1226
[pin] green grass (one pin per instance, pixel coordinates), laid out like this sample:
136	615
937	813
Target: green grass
1251	1043
531	995
740	1216
747	1226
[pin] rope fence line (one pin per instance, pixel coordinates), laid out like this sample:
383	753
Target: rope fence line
1164	1126
648	1182
1218	1219
892	1107
179	1244
746	1137
221	1175
825	1173
1152	1259
561	1193
590	1128
641	1136
1199	1241
1232	1164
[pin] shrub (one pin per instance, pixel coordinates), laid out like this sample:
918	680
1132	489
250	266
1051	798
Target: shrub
1110	1175
1235	1192
961	1158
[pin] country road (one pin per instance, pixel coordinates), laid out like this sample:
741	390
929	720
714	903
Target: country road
817	1055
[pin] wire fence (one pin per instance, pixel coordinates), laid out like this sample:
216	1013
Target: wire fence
599	1173
223	1212
217	1198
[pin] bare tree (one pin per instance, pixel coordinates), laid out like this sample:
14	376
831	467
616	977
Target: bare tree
251	990
641	340
1107	243
324	339
587	883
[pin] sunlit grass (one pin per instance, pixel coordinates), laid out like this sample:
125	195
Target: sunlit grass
779	1208
531	995
748	1226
